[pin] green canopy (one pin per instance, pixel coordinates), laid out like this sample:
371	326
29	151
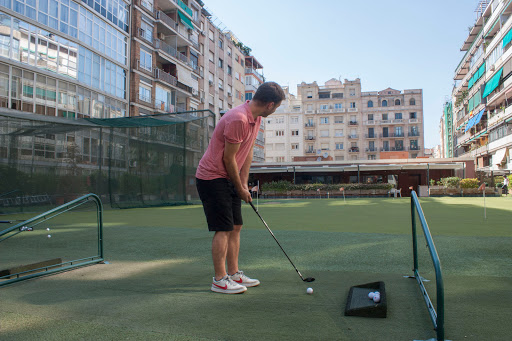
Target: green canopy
507	38
186	21
493	83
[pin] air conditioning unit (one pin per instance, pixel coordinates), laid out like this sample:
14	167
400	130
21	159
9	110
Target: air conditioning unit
210	82
202	32
161	36
202	99
230	94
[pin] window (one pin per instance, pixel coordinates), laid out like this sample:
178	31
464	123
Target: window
339	145
370	104
399	131
324	133
144	94
147	31
337	95
384	117
372	157
279	132
353	119
353	105
397	102
324	146
280	119
324	107
310	94
295	146
338	106
412	101
221	63
145	60
295	133
398	116
210	35
210	78
338	119
412	115
324	120
384	103
279	158
230	70
414	145
221	84
211	57
229	51
352	92
294	119
221	104
221	44
324	95
370	117
338	133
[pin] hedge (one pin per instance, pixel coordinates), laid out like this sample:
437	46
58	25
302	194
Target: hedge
469	183
284	186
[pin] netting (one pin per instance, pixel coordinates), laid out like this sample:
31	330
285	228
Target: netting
128	162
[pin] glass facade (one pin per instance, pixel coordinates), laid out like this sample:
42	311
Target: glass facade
33	92
115	11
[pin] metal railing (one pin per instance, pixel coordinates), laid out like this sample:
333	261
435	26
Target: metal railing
436	317
146	35
32	223
165	77
166	19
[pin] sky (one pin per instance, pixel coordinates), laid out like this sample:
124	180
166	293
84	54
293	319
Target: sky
407	44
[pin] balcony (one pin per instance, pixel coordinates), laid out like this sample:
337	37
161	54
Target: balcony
353	150
163	76
184	7
310	111
385	135
310	151
384	149
309	125
401	134
352	123
371	136
398	149
414	148
254	72
310	138
352	109
338	110
325	111
413	120
413	133
166	20
371	149
385	122
399	120
172	52
353	136
370	123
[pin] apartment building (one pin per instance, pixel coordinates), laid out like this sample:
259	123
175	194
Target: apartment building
481	98
340	122
65	58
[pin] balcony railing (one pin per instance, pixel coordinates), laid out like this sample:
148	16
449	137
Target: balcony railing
253	71
338	110
166	19
352	109
397	149
371	149
413	120
310	138
371	136
370	122
353	150
310	151
353	136
385	135
352	123
384	149
414	148
398	120
397	134
165	77
161	45
309	125
413	133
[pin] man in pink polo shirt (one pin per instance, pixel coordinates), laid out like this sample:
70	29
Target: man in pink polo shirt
222	180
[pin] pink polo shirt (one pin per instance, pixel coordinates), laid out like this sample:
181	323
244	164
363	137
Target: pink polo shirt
236	126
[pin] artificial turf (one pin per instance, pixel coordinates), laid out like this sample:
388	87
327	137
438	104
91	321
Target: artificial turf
157	283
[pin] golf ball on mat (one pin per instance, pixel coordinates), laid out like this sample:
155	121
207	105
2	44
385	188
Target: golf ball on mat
49	236
376	298
370	295
47	229
310	291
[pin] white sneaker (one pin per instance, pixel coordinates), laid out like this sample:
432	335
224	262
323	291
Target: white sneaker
227	286
242	279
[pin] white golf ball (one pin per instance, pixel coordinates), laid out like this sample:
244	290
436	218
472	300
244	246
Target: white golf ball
49	236
310	291
370	295
376	298
47	229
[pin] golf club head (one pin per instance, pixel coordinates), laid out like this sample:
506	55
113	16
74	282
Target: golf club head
309	279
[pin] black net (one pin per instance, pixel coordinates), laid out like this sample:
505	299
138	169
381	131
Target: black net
128	162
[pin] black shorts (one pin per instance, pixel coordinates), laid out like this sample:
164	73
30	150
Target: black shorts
222	205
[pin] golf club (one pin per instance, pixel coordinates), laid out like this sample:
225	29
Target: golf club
309	279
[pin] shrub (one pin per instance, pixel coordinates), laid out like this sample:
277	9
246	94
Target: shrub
452	182
284	186
469	183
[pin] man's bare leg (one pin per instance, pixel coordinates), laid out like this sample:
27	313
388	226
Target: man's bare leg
219	251
233	249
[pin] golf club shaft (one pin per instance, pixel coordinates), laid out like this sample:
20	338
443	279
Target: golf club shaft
269	230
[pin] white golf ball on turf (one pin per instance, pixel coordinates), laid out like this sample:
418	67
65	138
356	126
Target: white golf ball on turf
49	236
376	298
310	291
370	295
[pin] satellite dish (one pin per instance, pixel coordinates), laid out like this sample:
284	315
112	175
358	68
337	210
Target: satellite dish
318	151
319	159
326	155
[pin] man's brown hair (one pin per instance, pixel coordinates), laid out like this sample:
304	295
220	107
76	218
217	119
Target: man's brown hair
269	92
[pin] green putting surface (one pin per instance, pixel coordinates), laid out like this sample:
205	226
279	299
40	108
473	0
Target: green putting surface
156	286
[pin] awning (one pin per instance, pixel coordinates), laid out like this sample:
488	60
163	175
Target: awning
186	21
474	120
492	83
507	38
497	158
